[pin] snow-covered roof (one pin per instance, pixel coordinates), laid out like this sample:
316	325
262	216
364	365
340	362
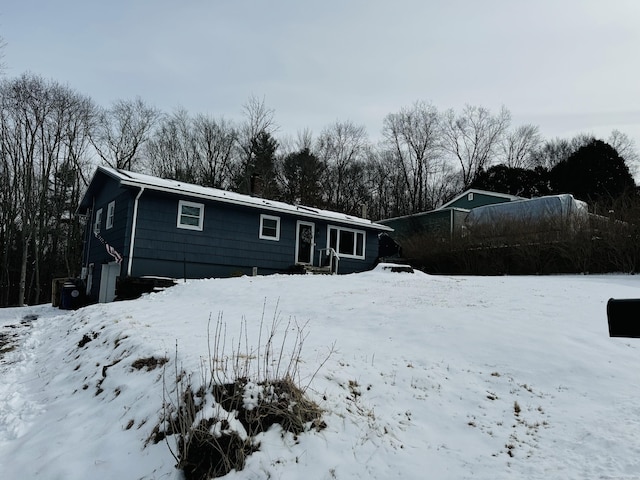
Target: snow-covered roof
139	180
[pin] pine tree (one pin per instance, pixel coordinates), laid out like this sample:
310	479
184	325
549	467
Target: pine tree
593	173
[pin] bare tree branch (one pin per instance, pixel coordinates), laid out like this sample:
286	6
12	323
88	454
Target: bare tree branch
121	130
472	137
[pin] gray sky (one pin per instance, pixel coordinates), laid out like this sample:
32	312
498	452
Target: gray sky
568	66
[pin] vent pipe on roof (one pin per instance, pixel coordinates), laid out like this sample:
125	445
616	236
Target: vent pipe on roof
255	186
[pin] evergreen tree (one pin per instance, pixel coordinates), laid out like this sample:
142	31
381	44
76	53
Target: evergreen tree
302	174
257	175
521	182
594	172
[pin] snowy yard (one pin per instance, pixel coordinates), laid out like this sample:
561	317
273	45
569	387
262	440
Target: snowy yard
430	377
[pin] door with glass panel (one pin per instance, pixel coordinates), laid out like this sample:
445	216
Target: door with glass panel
305	242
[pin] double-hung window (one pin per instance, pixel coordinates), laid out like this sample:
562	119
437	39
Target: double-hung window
269	227
98	221
190	215
111	210
347	242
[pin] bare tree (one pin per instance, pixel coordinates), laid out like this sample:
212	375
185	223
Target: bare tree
342	147
472	138
43	132
3	67
302	140
121	130
386	186
192	149
214	141
413	136
519	145
626	148
258	121
170	151
557	150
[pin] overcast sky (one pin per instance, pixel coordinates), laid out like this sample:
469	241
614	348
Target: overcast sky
567	66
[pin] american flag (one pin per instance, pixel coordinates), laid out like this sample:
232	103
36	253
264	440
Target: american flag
110	250
113	252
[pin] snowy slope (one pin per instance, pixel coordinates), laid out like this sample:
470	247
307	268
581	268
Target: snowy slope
430	377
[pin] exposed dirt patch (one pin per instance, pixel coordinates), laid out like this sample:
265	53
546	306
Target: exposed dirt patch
10	334
7	342
87	338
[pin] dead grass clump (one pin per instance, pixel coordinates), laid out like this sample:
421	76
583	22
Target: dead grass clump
516	408
214	446
211	456
269	403
243	394
149	363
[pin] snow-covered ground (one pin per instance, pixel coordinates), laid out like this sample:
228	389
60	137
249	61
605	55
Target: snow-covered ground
429	377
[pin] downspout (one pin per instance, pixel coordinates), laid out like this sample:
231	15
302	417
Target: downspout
133	230
452	219
89	233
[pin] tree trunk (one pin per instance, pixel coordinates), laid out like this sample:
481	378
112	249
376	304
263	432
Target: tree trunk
22	285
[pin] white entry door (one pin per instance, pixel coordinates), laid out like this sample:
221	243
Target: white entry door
108	275
305	242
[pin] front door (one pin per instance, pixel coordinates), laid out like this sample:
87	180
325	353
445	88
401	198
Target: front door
108	275
305	242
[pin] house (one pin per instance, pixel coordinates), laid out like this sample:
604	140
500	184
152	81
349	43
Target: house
139	226
473	198
444	223
439	224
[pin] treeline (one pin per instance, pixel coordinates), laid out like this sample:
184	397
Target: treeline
51	138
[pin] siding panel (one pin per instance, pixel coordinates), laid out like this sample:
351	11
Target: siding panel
228	242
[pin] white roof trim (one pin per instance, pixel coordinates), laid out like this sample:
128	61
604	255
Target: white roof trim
481	192
208	193
421	214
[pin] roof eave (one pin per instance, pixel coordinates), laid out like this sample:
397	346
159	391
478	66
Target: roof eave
125	180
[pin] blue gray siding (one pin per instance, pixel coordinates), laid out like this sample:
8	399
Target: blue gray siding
478	199
229	243
117	236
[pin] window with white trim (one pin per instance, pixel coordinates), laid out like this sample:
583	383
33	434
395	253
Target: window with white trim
348	243
97	221
111	210
190	215
269	227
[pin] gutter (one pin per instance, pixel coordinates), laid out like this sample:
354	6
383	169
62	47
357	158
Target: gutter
133	231
224	196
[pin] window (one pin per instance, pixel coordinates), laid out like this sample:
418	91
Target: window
269	227
470	196
347	242
111	208
98	221
190	215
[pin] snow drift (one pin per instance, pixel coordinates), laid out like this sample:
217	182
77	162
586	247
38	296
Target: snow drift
449	377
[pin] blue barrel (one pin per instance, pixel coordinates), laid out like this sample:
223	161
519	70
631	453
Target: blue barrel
69	296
